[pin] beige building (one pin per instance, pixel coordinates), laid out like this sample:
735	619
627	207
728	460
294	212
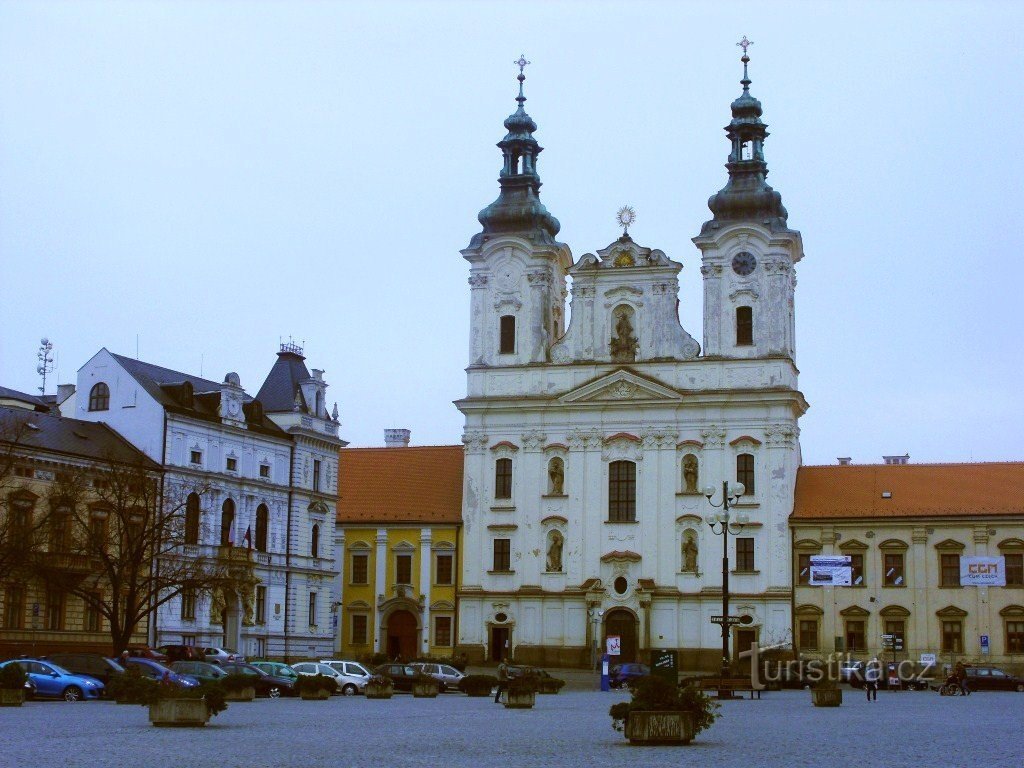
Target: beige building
905	528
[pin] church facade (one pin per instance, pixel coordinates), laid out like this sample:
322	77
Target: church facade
588	447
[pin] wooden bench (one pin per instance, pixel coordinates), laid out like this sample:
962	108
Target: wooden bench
728	685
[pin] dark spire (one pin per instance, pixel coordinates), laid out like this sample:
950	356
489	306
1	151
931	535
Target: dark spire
518	207
747	196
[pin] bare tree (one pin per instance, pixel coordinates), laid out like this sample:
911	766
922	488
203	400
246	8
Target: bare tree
21	526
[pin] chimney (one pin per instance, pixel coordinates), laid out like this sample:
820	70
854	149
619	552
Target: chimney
397	438
64	391
897	460
844	461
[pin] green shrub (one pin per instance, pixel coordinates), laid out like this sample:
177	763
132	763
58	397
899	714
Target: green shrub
478	685
551	684
132	688
12	677
526	683
236	683
654	694
315	683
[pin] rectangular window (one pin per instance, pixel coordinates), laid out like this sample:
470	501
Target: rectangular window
622	492
232	464
444	569
359	629
502	555
745	473
744	326
896	627
14	608
196	457
188	605
808	635
1014	570
264	471
1015	637
952	637
54	610
857	570
59	527
93	621
312	609
803	568
855	636
949	566
360	569
98	533
261	604
316	475
443	631
744	554
507	343
892	569
403	569
503	479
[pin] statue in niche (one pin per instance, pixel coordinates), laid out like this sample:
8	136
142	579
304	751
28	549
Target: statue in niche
556	474
690	552
218	607
624	343
690	473
249	607
554	563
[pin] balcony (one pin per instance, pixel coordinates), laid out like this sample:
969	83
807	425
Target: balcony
67	562
240	555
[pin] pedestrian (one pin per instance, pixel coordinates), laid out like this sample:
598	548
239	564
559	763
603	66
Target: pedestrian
960	673
872	672
502	679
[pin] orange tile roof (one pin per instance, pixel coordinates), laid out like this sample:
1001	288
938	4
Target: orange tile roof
415	485
918	490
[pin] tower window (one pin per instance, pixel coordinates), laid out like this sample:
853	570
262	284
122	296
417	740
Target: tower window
227	522
746	151
744	326
262	524
99	397
503	479
507	344
622	492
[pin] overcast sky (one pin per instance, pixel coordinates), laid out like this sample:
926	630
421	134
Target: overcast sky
203	179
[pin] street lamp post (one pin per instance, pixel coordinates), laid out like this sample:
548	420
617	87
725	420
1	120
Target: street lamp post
722	525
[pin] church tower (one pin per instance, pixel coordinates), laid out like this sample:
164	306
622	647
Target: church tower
748	249
517	268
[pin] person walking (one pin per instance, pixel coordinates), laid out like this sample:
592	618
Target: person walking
872	672
960	673
502	680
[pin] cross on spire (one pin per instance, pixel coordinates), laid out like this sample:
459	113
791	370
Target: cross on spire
744	44
521	62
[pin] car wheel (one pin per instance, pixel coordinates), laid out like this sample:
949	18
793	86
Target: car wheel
274	692
72	693
349	690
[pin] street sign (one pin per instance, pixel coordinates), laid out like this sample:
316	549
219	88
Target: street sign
614	643
928	659
984	643
730	619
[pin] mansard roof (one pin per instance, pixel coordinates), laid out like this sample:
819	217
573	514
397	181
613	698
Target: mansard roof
409	485
33	402
278	392
910	490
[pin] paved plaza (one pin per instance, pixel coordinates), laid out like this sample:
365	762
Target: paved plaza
570	729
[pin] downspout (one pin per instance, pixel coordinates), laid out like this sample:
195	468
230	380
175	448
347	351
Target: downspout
288	546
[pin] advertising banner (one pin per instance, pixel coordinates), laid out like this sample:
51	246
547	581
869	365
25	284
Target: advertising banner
982	572
830	571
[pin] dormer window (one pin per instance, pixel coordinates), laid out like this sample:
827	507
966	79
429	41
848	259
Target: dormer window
99	397
507	344
744	326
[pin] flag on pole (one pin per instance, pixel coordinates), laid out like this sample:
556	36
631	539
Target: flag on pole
248	537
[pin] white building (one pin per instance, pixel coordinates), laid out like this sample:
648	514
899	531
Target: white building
261	477
586	446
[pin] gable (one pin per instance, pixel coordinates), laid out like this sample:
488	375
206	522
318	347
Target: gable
622	385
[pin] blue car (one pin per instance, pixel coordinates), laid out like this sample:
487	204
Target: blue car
154	670
55	682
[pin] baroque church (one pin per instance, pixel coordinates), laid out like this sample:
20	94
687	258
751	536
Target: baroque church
589	447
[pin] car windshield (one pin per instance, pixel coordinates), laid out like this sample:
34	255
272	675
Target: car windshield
114	665
283	670
57	669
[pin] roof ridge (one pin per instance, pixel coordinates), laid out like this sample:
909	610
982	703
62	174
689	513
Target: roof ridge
399	448
122	359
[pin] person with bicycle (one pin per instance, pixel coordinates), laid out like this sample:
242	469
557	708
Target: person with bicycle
960	673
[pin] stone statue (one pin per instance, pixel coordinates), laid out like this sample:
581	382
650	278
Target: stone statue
217	607
623	344
556	473
249	606
689	552
555	541
690	473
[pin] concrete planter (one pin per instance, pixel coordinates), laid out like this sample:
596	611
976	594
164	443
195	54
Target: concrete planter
425	690
519	699
827	697
245	694
179	713
659	728
12	697
318	695
376	691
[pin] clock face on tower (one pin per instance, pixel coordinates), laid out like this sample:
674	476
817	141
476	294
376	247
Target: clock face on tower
743	263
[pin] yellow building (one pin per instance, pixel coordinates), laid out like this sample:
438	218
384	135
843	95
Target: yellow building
905	528
397	535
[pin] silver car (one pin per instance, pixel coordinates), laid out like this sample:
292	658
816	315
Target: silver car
348	685
222	656
447	675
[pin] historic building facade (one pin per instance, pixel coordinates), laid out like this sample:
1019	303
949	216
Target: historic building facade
587	447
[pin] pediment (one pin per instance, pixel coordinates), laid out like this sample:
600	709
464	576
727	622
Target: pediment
621	385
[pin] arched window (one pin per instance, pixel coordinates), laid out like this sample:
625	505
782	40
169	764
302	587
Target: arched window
262	522
227	524
507	343
622	492
192	519
744	326
503	479
99	397
314	541
745	472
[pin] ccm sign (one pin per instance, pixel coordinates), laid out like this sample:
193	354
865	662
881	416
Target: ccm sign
982	572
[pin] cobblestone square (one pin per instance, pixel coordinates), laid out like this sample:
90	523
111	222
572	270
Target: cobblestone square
571	729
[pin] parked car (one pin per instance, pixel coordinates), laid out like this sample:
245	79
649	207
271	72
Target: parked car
448	676
154	670
992	679
202	671
222	656
316	668
353	675
276	668
54	682
182	653
620	675
91	664
145	652
270	686
402	675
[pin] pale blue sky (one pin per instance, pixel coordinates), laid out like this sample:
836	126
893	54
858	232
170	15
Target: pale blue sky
213	176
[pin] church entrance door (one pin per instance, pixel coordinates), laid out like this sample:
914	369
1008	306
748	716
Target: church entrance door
498	648
624	624
401	636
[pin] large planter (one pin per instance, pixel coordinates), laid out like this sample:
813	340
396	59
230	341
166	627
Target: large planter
521	699
377	691
320	694
425	690
244	694
12	697
659	727
827	697
180	713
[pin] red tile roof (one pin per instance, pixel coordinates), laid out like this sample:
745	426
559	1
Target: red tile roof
414	485
917	490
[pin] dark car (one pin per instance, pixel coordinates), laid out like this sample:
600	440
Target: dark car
402	675
271	686
181	653
91	664
154	670
200	670
992	679
624	674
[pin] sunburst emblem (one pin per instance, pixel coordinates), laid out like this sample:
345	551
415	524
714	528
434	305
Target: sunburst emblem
626	216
